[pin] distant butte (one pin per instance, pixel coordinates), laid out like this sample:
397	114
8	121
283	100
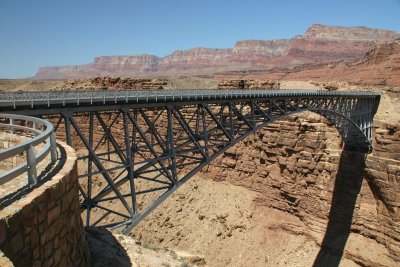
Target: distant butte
319	44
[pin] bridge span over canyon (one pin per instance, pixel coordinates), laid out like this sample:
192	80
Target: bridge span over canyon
136	148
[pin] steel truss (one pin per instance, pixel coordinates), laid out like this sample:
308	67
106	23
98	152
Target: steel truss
132	157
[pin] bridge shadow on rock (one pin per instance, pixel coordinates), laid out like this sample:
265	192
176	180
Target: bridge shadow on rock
346	189
105	249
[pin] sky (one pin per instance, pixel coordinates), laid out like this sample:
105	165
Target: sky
69	32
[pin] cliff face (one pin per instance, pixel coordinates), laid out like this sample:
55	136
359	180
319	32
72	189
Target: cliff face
344	201
380	66
319	44
298	167
199	56
136	63
324	32
258	50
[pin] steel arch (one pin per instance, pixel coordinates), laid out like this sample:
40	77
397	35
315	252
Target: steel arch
139	147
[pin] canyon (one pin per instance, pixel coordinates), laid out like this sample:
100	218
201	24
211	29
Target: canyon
320	43
289	194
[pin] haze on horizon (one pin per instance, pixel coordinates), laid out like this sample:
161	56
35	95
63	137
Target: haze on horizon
74	32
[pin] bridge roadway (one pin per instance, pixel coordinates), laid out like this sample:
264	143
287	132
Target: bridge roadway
103	99
140	146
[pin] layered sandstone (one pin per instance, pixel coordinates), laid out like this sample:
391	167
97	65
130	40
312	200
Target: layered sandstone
200	56
318	31
248	84
297	166
126	64
380	66
112	83
319	44
259	50
343	200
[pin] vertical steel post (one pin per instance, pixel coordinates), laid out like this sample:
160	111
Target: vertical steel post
12	122
171	145
53	147
90	168
129	161
67	128
31	162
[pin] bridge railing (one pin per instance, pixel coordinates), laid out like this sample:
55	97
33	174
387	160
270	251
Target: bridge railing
25	125
98	96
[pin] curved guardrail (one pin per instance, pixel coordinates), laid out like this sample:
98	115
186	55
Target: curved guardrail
32	159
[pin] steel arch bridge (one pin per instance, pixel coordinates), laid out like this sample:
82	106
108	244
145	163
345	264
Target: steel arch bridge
137	147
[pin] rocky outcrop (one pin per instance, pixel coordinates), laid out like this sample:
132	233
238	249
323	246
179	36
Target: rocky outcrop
319	44
200	56
380	66
321	50
259	50
66	72
387	141
248	84
298	167
112	83
126	64
325	32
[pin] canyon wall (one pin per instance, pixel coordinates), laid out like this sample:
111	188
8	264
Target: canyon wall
319	44
345	203
298	167
379	67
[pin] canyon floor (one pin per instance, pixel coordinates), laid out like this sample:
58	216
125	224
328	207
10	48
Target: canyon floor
208	223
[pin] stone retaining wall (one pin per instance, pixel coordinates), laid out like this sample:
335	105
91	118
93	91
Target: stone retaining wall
44	227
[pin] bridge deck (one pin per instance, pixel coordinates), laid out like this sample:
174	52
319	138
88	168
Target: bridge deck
54	99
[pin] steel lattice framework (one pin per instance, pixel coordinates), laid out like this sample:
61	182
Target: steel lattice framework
137	147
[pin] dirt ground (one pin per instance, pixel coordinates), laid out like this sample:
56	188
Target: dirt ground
224	223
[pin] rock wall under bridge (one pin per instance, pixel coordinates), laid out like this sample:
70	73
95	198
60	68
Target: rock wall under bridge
299	167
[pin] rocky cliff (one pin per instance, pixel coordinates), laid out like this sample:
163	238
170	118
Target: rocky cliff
345	202
199	56
379	66
259	50
324	32
319	44
298	167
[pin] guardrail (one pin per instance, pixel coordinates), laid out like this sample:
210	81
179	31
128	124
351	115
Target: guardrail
45	136
102	96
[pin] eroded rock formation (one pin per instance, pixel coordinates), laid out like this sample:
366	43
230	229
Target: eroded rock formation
319	44
113	83
297	166
248	84
380	66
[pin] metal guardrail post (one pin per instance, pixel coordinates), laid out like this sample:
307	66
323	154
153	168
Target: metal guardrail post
53	147
31	161
12	122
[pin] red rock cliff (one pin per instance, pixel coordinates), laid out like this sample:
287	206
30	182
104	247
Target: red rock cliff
319	44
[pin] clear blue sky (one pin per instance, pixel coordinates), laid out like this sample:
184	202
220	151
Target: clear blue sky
36	33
